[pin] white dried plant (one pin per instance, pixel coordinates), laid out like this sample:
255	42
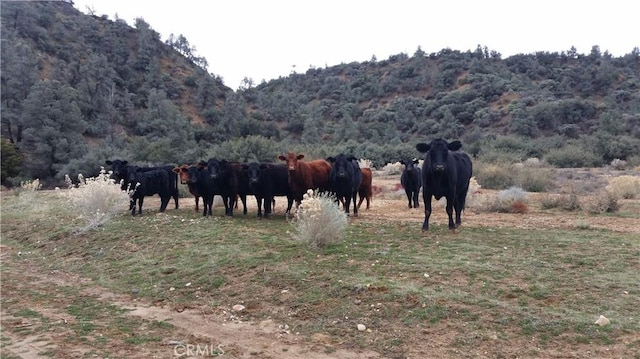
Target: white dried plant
96	199
319	220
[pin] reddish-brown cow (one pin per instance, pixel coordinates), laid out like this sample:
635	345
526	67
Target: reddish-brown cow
305	175
185	178
366	189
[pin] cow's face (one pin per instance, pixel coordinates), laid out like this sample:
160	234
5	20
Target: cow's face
341	166
119	168
132	174
291	159
409	165
437	153
253	171
183	173
213	166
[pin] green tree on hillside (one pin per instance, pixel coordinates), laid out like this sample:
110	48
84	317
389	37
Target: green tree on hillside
53	128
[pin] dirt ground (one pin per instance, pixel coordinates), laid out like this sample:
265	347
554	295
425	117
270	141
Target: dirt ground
267	339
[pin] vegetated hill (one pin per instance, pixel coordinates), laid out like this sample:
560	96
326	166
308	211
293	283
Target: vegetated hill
118	91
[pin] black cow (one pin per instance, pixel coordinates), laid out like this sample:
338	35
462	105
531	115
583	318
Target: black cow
344	180
445	172
119	172
132	172
200	180
124	173
411	180
149	183
230	181
266	181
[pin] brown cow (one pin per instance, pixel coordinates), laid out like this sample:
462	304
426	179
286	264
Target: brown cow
366	189
305	175
183	174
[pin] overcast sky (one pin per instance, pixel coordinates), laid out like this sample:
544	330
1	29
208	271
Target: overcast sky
266	39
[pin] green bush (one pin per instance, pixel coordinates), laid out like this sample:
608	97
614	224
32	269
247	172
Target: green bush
494	176
572	156
533	179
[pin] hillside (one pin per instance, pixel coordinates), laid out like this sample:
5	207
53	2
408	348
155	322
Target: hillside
116	90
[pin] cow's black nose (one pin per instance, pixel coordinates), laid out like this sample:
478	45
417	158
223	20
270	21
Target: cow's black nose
439	167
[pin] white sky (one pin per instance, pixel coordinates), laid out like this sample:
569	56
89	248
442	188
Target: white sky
266	39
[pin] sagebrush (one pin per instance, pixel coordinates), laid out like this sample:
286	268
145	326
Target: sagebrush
626	186
96	199
319	220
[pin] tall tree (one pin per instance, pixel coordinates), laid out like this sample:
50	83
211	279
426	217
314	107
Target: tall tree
53	128
19	73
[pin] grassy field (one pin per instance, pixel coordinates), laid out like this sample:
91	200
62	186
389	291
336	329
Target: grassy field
486	291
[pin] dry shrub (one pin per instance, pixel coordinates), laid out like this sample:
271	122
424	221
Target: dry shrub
511	200
548	201
533	179
570	202
96	199
494	176
365	163
626	186
519	207
27	193
602	202
393	168
473	194
618	164
319	220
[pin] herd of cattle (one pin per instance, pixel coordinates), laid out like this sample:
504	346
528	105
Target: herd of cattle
445	173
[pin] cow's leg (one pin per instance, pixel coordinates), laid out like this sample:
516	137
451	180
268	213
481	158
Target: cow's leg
409	197
164	202
347	204
355	208
360	201
243	198
140	200
450	201
198	200
269	203
426	198
132	206
231	202
259	203
175	196
459	206
416	201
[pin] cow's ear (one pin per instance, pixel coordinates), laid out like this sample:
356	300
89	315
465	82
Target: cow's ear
177	169
300	156
422	147
124	163
454	146
264	166
330	159
184	169
402	162
282	158
416	161
107	162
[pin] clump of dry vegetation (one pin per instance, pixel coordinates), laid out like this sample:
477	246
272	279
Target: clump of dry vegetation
512	200
627	187
96	199
319	220
602	202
